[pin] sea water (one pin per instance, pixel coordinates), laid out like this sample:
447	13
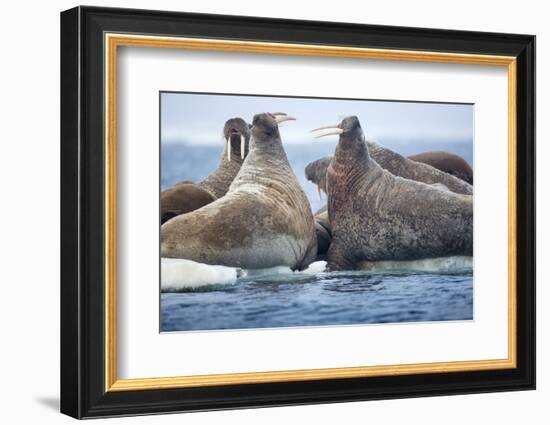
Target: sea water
213	297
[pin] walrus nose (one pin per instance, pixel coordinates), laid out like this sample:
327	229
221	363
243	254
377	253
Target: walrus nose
281	117
326	130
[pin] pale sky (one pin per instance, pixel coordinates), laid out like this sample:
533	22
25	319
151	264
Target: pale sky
198	119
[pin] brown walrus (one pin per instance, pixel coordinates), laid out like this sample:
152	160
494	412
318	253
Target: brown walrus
263	221
316	172
376	216
398	165
183	198
447	162
187	196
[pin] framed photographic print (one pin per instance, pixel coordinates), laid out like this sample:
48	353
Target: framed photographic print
261	212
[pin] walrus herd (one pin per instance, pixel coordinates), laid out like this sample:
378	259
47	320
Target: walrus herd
251	212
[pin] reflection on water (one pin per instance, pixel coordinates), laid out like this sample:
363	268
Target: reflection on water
302	299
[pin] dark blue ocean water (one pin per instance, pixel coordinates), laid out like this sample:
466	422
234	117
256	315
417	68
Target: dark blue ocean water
320	299
309	299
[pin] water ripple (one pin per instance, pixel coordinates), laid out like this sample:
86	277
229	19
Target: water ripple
320	299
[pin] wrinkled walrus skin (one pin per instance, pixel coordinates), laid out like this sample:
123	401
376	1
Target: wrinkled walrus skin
187	196
263	221
378	216
398	165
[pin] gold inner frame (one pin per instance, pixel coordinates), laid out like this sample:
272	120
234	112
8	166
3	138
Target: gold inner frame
113	41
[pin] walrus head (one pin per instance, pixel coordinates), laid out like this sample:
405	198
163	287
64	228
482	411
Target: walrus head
236	132
316	172
265	126
351	141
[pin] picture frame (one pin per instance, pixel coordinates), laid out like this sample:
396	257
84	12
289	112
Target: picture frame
90	39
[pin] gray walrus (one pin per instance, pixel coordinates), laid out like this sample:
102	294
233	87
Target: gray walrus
398	165
376	216
187	196
316	172
263	221
447	162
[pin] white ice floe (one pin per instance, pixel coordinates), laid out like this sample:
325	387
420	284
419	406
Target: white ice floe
428	265
177	274
266	272
317	267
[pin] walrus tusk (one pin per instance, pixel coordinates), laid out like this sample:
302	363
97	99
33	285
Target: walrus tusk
229	148
324	127
326	131
319	193
242	146
278	113
282	118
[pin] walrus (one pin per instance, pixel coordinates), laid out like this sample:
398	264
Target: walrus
448	162
187	196
263	221
237	133
398	165
316	172
183	198
376	216
322	223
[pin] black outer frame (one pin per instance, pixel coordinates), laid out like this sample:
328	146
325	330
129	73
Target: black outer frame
82	206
